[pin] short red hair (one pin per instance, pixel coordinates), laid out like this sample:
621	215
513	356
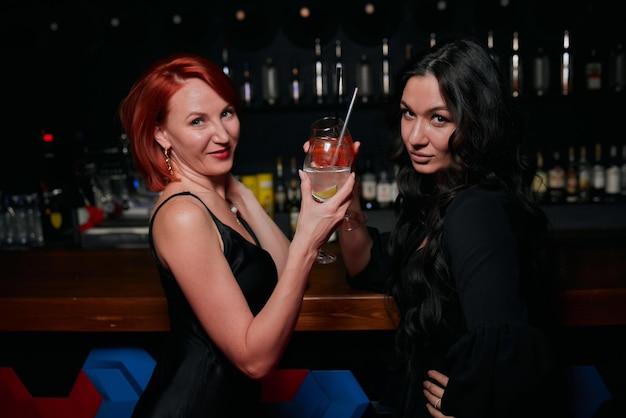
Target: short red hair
146	105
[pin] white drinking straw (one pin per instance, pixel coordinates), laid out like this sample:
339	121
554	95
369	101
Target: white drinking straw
345	124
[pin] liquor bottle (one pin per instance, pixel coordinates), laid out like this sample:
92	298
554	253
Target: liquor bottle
408	52
364	79
33	221
247	92
516	73
225	64
432	40
541	72
368	185
598	172
265	190
18	206
386	71
540	180
294	214
623	173
294	194
339	76
556	179
584	176
617	69
295	87
383	190
5	221
593	71
280	189
270	82
612	175
566	66
491	48
571	177
320	88
394	183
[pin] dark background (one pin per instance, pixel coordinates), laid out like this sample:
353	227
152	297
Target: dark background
69	81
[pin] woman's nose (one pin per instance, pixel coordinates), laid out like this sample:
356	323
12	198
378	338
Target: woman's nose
418	135
219	134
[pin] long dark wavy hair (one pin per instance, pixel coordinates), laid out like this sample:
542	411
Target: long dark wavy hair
486	149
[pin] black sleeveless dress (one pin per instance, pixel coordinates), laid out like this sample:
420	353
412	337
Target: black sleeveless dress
192	378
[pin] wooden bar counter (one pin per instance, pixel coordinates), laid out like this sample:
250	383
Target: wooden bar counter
118	290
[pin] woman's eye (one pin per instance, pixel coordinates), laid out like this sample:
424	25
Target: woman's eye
406	113
196	122
440	120
228	112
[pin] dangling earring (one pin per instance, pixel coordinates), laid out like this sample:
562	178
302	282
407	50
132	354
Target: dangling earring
167	161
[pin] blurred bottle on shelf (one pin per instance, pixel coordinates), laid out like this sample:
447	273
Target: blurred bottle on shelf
247	88
320	89
294	195
612	174
364	79
394	183
383	190
432	40
225	62
339	75
571	177
270	82
295	86
58	191
567	66
280	188
556	179
598	173
368	185
33	221
593	71
265	190
491	48
4	220
515	67
584	176
408	52
541	72
623	173
385	70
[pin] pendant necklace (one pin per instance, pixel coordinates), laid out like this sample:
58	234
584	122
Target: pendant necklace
233	208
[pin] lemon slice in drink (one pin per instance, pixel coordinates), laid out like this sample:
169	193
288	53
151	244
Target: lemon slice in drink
325	194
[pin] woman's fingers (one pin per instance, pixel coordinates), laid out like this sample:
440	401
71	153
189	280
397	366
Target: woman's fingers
438	377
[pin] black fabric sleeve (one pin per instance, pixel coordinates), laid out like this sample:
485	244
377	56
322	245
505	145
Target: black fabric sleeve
375	276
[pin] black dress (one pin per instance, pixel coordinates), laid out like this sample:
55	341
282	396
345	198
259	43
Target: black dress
192	378
498	362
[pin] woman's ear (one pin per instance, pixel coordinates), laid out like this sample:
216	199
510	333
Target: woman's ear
161	137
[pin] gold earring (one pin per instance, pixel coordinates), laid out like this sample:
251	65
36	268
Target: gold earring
167	161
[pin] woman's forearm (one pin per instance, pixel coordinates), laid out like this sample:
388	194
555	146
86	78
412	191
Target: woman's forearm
356	246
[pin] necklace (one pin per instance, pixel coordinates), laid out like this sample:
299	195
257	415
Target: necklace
233	208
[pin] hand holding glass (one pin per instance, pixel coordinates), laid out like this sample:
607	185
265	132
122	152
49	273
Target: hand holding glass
328	163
